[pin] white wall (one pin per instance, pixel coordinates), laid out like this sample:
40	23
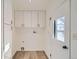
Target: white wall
32	42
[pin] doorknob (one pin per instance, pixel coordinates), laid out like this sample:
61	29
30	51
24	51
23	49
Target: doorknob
65	47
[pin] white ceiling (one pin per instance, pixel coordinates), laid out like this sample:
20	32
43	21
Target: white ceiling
34	5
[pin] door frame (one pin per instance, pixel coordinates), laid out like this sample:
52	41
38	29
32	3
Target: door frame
2	27
70	30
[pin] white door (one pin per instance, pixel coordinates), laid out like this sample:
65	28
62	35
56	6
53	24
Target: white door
60	45
7	41
7	32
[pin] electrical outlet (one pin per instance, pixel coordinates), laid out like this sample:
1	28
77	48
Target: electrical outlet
22	48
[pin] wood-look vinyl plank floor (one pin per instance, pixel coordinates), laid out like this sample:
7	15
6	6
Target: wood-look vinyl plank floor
30	55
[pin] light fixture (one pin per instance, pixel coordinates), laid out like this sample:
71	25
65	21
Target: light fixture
30	1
